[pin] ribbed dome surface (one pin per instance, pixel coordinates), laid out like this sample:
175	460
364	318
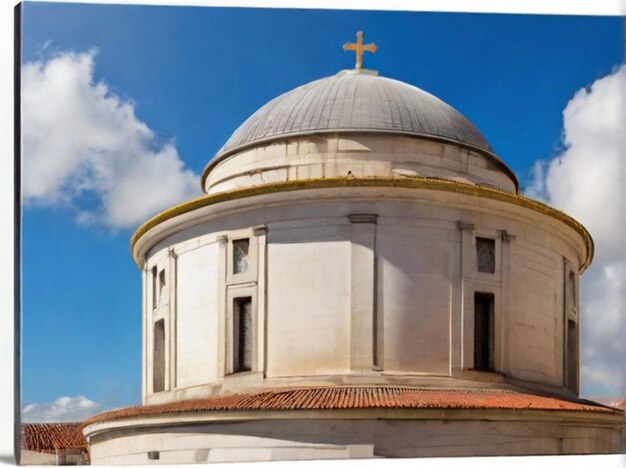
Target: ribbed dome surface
352	101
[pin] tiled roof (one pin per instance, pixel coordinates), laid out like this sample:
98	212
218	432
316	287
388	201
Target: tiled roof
47	437
338	398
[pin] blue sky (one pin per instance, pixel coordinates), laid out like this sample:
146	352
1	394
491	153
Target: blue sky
193	74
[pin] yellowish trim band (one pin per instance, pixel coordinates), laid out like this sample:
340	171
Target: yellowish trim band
335	182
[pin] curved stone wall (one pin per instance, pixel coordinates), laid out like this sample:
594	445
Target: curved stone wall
452	433
359	155
372	281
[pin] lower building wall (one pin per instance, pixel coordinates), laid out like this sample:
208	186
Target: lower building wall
335	439
31	457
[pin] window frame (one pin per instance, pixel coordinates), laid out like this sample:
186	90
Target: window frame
234	293
157	310
162	357
234	243
480	237
571	328
253	253
238	362
491	332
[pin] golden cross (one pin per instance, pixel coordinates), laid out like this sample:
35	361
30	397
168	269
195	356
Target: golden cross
359	48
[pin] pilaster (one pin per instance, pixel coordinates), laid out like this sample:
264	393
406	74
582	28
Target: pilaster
171	340
145	283
260	233
507	307
462	352
222	242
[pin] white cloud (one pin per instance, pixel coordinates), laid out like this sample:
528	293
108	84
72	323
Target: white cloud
85	149
63	409
587	181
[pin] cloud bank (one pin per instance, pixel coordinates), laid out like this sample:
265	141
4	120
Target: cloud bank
62	409
84	148
587	181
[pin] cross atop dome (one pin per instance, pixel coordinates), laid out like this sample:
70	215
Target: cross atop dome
359	48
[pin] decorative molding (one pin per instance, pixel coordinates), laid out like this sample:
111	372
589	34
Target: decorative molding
338	182
505	236
462	226
363	218
259	231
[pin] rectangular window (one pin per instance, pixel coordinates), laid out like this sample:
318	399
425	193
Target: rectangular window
158	357
241	248
572	356
161	286
571	334
571	286
242	334
155	297
484	336
486	255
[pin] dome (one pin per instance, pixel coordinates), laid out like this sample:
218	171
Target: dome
356	102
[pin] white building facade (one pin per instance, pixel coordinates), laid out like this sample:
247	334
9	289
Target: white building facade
361	279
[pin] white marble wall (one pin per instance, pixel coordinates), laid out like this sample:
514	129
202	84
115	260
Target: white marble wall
197	316
361	155
308	302
416	272
536	329
313	304
269	440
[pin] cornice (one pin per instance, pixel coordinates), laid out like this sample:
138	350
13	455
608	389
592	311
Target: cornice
105	422
423	183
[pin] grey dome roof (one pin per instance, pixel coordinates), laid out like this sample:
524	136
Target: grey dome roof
351	101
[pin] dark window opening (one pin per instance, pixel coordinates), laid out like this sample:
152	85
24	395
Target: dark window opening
153	455
158	357
242	334
241	248
155	298
484	332
161	286
572	356
486	255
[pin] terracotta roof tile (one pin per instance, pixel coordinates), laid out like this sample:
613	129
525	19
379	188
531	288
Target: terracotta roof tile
358	397
47	437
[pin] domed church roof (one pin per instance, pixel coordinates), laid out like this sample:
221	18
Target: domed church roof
356	101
